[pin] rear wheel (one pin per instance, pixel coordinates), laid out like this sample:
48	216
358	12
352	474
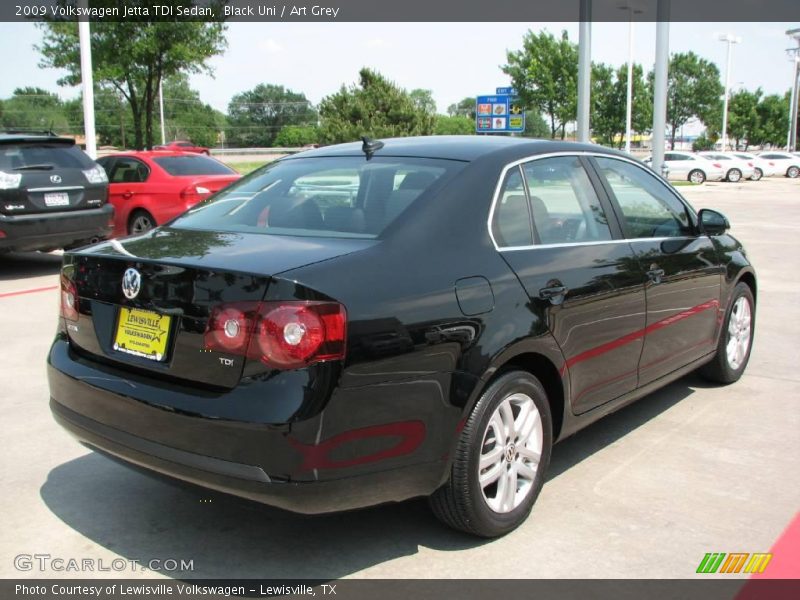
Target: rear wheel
501	459
697	176
735	340
757	174
140	221
734	175
793	172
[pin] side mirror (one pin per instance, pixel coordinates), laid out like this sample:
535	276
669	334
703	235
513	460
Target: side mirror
712	222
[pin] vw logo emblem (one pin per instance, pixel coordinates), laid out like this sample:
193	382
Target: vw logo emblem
131	283
55	178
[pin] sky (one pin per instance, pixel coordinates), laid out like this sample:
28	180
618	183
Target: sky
454	60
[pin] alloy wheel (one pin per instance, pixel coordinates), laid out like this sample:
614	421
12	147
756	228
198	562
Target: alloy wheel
697	176
739	333
510	453
141	223
793	172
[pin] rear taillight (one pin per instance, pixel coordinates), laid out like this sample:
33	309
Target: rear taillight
282	335
717	165
69	299
749	164
194	193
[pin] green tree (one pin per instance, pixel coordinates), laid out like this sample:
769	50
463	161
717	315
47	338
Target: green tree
35	108
773	122
743	118
535	125
423	100
545	74
295	136
255	117
186	116
694	91
453	125
609	102
463	108
132	57
375	107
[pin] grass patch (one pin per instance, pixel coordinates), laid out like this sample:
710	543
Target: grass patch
683	183
245	167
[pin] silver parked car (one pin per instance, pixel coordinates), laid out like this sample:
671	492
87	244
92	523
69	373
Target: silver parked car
735	167
761	167
785	163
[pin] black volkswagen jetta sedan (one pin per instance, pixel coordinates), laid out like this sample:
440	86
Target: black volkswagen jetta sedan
367	323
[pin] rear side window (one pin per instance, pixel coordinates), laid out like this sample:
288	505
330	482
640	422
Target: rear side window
195	164
129	170
511	222
43	155
326	196
649	208
565	207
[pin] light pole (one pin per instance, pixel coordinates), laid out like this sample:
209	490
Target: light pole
584	70
632	9
87	81
793	104
729	39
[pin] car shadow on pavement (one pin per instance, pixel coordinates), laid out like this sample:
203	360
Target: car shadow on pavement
611	428
142	517
23	265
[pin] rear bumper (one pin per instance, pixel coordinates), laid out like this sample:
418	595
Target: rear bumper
250	460
55	230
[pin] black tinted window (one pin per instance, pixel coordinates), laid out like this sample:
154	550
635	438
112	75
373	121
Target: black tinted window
52	155
649	208
333	196
511	222
194	164
129	170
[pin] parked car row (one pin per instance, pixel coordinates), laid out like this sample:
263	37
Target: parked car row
699	167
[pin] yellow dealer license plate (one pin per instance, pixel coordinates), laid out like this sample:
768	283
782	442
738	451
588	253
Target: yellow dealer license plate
142	333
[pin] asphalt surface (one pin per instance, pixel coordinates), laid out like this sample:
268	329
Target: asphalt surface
646	492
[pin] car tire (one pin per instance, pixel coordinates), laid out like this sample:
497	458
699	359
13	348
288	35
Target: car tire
140	221
734	175
697	176
488	451
792	172
735	339
757	174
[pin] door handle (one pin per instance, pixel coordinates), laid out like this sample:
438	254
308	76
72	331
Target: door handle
655	274
553	292
127	195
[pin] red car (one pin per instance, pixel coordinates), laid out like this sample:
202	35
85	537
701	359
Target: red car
148	189
183	146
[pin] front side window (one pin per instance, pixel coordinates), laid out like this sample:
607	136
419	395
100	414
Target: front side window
649	208
325	196
564	204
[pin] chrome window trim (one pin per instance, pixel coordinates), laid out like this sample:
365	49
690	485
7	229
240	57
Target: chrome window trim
521	161
56	188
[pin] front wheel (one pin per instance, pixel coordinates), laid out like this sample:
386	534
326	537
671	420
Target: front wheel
697	176
792	172
734	175
500	461
757	174
735	339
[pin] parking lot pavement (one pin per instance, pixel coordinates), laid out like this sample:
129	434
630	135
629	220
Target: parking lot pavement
646	492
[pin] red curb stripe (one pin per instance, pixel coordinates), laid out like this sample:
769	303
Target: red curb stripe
30	291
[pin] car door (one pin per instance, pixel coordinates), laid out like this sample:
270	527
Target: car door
551	226
679	165
126	188
683	273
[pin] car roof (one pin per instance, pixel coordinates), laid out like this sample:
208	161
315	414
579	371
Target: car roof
13	138
150	154
456	147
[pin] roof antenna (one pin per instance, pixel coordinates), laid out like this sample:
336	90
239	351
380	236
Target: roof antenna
370	146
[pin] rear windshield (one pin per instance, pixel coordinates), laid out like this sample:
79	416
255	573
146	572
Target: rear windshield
44	155
332	196
192	165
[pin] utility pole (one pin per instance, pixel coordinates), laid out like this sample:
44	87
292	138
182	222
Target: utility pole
660	87
584	70
161	110
87	82
793	104
729	39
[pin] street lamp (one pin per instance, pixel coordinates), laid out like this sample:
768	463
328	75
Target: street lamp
729	39
632	9
791	144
